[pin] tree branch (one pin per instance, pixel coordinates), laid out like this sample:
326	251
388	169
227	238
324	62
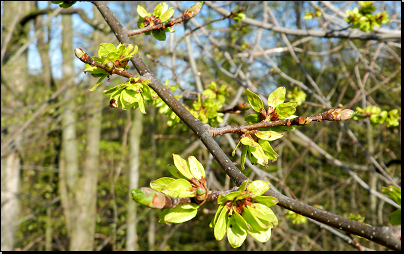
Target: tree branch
330	115
300	32
384	235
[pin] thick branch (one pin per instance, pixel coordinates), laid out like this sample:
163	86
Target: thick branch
194	124
386	236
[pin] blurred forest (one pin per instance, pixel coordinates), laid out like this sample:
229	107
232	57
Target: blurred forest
69	160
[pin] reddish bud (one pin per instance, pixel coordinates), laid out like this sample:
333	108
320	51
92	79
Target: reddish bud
304	120
345	113
112	103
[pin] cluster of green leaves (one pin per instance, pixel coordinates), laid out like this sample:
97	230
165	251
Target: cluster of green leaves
205	108
243	212
395	194
161	14
240	212
378	116
296	95
132	94
112	57
310	15
256	143
189	183
357	217
295	217
135	93
239	16
363	19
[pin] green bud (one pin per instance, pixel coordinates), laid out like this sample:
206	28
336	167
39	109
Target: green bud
109	66
149	197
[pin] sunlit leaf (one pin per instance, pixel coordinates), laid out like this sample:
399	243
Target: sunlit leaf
277	97
255	101
180	188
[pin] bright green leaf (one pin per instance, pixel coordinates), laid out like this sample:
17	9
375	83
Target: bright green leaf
182	166
196	168
220	224
255	101
167	15
161	183
266	200
141	11
180	188
269	135
236	233
160	9
180	215
258	187
277	97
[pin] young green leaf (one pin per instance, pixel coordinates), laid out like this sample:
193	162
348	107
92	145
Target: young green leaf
269	135
266	200
196	168
266	147
182	166
258	187
261	236
180	188
160	9
255	101
167	15
286	110
98	83
213	221
141	11
106	49
264	213
243	155
277	97
236	230
254	222
161	183
254	118
221	224
159	35
179	214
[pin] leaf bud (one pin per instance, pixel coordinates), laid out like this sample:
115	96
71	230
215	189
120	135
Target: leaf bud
149	197
79	53
109	66
344	114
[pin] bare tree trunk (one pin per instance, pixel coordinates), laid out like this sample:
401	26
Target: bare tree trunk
69	167
10	205
14	78
88	181
134	140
